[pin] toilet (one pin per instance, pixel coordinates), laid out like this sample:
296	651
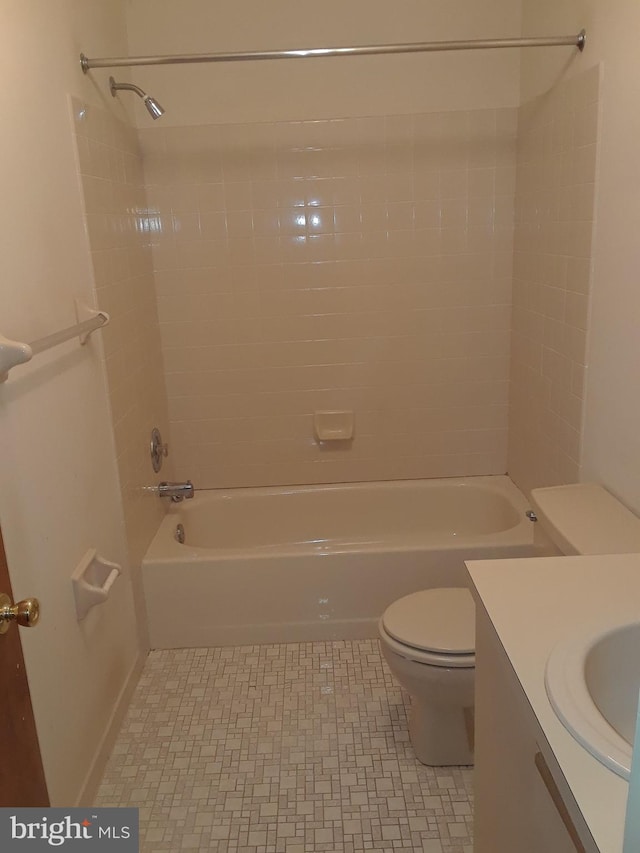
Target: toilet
428	640
428	637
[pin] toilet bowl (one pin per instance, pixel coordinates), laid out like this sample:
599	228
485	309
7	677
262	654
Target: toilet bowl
428	640
428	637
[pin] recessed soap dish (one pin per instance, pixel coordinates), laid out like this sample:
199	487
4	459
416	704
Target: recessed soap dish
92	581
335	425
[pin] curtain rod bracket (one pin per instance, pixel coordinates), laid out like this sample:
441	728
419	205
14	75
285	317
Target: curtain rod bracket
582	40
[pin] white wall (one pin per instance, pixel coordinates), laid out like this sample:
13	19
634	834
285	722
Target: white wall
60	493
321	88
612	419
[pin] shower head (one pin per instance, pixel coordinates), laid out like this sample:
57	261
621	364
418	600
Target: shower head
154	108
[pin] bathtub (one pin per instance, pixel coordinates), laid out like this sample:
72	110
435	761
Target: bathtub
295	564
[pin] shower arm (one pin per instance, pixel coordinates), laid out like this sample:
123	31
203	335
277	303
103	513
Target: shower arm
154	108
116	87
88	63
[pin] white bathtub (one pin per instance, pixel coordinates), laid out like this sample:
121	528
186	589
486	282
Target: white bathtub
296	564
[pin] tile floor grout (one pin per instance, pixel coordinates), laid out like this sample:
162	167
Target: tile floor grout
294	748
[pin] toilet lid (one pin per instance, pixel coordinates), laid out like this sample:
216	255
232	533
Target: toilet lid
438	620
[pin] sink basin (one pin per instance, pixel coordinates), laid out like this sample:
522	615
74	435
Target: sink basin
592	682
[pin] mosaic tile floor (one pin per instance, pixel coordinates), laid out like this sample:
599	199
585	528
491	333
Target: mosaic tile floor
298	748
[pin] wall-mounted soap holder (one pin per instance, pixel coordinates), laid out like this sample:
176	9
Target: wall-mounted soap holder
335	425
92	581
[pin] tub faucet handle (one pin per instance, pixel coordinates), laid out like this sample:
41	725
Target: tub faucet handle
176	491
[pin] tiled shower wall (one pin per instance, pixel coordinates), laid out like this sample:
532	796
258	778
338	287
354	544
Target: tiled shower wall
353	264
115	205
557	147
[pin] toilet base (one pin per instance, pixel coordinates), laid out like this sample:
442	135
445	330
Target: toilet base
441	735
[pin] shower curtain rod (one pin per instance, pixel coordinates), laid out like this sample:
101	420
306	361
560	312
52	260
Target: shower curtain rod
416	47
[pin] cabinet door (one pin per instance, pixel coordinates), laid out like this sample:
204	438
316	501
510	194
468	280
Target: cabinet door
514	805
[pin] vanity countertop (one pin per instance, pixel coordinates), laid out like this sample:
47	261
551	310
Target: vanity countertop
536	603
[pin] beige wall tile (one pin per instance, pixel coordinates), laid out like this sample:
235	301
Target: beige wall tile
552	267
349	263
112	181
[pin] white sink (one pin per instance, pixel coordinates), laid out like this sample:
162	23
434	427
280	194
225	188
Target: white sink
592	682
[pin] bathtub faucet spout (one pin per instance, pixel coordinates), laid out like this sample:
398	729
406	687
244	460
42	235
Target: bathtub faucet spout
176	491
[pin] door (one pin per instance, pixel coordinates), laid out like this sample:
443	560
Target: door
22	781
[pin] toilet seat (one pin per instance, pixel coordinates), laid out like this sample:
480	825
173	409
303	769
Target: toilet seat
434	626
420	656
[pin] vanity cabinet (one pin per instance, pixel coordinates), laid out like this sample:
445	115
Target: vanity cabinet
522	801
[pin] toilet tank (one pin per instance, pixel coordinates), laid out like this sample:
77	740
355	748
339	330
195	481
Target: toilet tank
583	518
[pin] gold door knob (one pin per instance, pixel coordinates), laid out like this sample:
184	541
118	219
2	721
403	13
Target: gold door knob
25	613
